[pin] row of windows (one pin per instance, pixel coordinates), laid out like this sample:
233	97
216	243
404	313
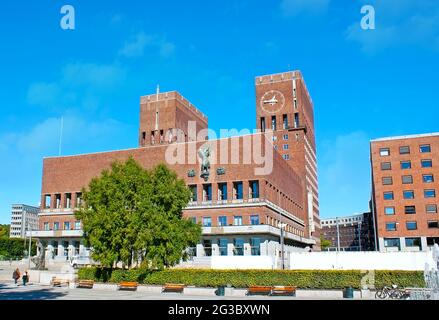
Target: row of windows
67	203
411	225
222	220
238	246
423	148
425	163
285	137
285	124
429	208
409	194
238	192
426	178
66	226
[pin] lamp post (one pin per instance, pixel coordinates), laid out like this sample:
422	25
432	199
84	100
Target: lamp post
282	226
338	235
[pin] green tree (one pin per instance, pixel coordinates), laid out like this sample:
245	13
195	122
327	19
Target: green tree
4	231
324	243
133	214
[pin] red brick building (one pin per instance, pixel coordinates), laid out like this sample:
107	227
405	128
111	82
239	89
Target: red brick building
405	173
240	199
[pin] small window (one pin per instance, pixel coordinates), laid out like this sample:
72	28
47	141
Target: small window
430	193
410	209
194	192
254	220
426	163
285	147
237	220
286	156
432	224
384	152
66	225
408	194
388	195
391	226
387	181
222	221
285	137
386	166
46	226
285	121
411	225
56	226
406	164
424	148
404	150
407	179
207	221
431	208
413	242
428	178
77	225
389	210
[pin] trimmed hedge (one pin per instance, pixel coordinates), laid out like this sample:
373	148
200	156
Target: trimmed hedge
306	279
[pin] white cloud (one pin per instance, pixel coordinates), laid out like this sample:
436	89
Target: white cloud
138	43
90	74
408	23
296	7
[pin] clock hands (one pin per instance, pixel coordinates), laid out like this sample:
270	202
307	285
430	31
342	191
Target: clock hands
271	102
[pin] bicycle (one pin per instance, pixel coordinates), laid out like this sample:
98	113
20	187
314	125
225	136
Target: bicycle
391	292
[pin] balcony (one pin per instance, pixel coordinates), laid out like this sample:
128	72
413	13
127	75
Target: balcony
55	233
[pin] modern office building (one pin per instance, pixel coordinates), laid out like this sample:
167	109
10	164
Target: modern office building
23	218
240	205
405	173
349	233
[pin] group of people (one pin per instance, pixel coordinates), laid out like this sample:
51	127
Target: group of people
16	276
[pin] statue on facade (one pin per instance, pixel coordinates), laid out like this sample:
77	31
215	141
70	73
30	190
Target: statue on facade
204	154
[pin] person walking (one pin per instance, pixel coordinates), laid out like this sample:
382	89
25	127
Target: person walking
16	275
25	278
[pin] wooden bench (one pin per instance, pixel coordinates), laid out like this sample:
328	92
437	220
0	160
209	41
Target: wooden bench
57	282
85	284
128	285
283	291
263	290
173	287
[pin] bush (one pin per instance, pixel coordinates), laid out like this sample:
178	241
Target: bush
306	279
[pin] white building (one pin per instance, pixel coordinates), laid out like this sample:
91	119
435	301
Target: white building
23	218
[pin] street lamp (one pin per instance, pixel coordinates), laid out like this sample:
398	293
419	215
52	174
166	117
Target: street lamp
338	235
282	226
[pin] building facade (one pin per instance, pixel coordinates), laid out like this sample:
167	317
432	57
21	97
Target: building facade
23	218
405	203
350	233
241	210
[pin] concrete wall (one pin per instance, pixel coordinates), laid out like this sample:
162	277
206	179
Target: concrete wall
361	260
242	262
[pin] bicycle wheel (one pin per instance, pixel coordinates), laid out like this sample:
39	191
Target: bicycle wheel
381	294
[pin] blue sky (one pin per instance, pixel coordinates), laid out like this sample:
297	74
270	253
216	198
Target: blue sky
364	83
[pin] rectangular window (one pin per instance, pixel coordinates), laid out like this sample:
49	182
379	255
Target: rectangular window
77	225
222	191
389	210
194	192
426	163
427	178
431	208
237	190
404	150
413	242
68	200
152	137
384	152
222	221
285	147
387	181
286	156
433	224
273	123
56	226
407	179
408	194
388	195
296	120
424	148
66	225
255	244
411	225
391	226
386	166
78	199
263	124
222	244
285	121
410	209
295	104
254	220
406	164
285	136
207	192
47	201
46	226
207	221
254	189
238	249
237	220
430	193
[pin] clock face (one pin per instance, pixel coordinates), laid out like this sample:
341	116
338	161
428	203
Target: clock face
272	101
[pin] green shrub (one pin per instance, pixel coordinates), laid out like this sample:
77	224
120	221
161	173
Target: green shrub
306	279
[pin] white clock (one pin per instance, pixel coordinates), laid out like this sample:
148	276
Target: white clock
272	101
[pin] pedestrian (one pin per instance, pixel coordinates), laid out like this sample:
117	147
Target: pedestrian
25	278
16	275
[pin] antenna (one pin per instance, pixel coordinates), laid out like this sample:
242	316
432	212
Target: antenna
60	136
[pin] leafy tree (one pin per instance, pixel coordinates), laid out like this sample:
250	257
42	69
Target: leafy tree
132	214
4	231
324	243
